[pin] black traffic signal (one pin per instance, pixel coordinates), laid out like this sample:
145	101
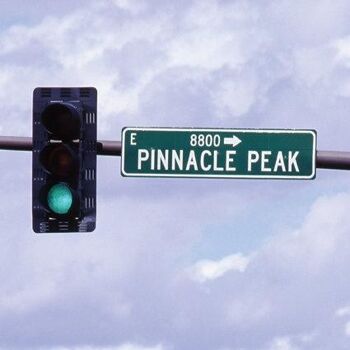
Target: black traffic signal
64	159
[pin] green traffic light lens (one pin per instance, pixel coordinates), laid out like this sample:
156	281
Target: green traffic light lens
60	199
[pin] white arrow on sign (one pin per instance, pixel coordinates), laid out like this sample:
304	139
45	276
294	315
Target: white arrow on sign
233	141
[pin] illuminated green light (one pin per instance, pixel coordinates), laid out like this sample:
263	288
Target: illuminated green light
60	199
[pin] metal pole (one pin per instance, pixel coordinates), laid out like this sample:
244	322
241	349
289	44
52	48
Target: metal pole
16	143
333	160
324	159
104	148
109	148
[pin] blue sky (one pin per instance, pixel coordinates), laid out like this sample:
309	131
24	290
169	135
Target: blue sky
181	264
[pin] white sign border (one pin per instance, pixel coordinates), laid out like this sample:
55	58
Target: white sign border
175	129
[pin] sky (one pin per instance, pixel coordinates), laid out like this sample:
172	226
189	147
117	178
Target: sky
181	264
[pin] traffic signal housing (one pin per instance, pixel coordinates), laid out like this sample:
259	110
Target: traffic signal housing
64	159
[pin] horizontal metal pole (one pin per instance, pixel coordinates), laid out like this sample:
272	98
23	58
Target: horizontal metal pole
333	160
324	159
109	148
104	148
16	143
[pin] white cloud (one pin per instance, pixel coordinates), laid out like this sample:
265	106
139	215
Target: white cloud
282	343
133	6
203	49
343	311
84	49
206	270
27	299
235	97
343	51
126	346
347	329
314	65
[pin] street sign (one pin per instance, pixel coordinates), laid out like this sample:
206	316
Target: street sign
219	153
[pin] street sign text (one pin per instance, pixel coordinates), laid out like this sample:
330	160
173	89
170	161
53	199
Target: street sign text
227	153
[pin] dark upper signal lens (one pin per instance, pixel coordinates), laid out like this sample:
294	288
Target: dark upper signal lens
62	121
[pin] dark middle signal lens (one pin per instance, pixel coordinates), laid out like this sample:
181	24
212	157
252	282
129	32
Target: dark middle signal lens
58	160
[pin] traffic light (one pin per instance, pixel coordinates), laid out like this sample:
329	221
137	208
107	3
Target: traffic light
64	159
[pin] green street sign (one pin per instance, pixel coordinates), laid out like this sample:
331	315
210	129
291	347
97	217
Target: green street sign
219	153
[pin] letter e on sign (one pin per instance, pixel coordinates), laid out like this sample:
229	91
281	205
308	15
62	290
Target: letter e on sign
133	139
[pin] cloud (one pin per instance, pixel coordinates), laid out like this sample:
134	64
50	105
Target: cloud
347	329
127	346
205	63
131	59
283	343
133	6
343	311
206	270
